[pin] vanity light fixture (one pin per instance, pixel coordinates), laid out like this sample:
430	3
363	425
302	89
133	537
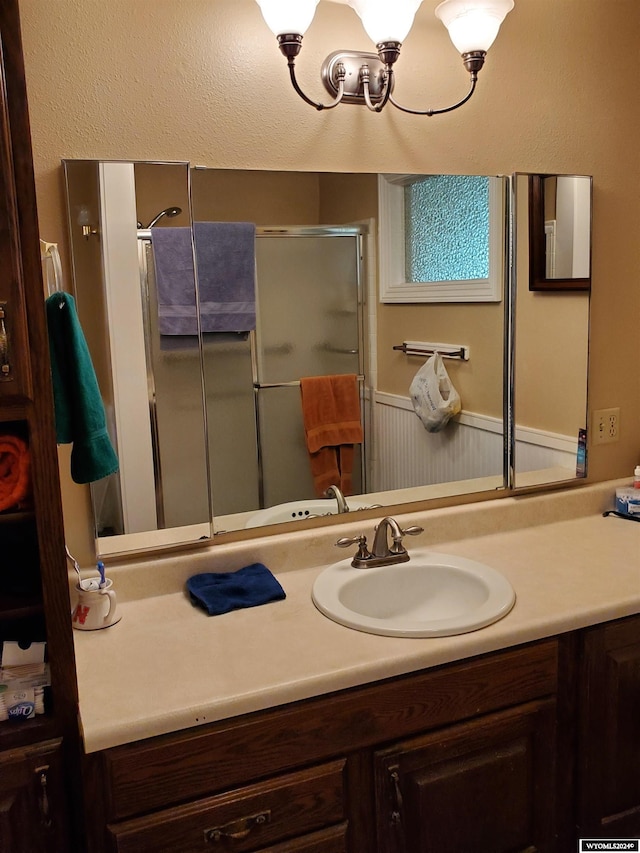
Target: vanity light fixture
368	78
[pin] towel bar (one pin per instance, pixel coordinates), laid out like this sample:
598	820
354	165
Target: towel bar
259	386
446	350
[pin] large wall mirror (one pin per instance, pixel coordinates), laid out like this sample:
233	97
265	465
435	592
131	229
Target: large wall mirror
208	421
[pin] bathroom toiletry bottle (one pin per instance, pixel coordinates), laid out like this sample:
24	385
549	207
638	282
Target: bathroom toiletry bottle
581	462
636	477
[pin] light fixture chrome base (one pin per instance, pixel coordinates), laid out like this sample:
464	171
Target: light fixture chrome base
353	60
474	60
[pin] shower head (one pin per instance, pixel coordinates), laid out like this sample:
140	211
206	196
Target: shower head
168	211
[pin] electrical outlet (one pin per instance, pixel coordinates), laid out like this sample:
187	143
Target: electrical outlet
606	426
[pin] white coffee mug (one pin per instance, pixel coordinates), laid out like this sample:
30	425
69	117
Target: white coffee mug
95	608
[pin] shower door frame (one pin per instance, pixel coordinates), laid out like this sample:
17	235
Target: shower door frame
145	247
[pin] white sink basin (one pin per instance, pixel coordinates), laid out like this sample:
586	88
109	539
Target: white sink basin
433	595
299	510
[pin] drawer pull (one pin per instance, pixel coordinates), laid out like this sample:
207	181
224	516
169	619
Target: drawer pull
43	798
396	809
237	829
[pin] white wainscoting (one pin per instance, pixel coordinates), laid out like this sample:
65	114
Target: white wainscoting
536	450
471	446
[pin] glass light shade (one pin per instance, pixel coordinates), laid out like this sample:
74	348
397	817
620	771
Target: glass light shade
386	20
288	16
473	24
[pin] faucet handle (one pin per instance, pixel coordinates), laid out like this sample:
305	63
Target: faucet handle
360	541
413	531
398	547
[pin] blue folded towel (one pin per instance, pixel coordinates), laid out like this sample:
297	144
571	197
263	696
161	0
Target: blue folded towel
225	253
226	257
175	281
221	592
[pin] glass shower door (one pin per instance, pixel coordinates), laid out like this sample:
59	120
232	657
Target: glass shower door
309	310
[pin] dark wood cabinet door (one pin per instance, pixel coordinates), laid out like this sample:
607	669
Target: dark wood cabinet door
486	786
33	804
609	750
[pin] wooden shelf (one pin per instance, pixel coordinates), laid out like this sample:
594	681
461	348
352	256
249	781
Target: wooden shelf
18	517
15	734
13	411
14	607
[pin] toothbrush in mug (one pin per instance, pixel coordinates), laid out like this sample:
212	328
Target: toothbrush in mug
103	582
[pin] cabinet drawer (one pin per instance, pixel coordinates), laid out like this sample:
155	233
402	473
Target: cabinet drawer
332	840
246	819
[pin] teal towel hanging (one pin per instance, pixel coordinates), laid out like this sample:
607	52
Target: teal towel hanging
79	410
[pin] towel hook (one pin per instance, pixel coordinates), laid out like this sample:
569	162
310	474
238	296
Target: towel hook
50	251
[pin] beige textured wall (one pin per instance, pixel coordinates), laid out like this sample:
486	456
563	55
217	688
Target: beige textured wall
478	326
160	187
203	81
264	198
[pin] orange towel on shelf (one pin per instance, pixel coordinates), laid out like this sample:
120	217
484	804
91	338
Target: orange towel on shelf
332	425
15	472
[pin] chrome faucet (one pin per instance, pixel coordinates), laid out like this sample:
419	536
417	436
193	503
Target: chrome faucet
334	492
381	548
382	554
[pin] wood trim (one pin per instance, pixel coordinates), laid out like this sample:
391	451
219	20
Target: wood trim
361	802
18	382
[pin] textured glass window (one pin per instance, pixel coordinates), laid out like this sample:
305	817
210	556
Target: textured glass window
447	228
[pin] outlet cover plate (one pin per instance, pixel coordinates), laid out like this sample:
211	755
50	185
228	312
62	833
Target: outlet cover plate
605	426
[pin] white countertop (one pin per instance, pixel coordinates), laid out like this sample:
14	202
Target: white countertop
167	666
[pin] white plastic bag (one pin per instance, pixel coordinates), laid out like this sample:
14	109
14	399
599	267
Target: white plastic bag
433	396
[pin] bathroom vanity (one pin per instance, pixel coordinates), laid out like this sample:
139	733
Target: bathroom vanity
472	744
473	756
289	732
